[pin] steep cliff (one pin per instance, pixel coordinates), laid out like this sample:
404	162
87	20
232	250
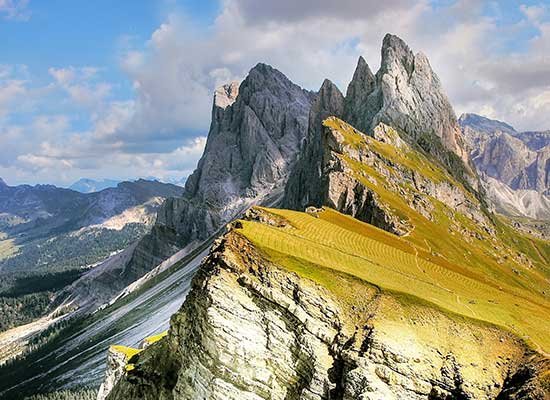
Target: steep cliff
253	142
271	318
406	94
368	177
520	160
255	134
319	305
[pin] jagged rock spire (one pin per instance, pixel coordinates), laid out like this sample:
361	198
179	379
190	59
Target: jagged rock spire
329	102
407	94
360	104
302	188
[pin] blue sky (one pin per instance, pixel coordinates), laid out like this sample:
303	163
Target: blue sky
123	89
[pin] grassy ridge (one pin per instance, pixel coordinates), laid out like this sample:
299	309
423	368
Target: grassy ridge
505	257
337	243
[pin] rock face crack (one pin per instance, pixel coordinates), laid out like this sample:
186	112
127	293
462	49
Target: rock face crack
252	330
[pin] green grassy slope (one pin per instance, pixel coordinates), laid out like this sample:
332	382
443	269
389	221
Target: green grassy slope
501	258
472	265
324	247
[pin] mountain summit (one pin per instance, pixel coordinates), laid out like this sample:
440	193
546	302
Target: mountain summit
406	94
253	142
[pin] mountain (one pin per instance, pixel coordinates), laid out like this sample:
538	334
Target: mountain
255	134
396	281
350	311
444	301
520	160
85	185
407	94
256	131
483	125
42	210
50	236
514	166
404	94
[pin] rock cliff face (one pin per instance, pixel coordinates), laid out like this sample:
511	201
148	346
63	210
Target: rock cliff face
514	166
326	176
519	160
253	330
252	145
406	94
306	185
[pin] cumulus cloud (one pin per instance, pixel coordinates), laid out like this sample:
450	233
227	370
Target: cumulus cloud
10	90
78	83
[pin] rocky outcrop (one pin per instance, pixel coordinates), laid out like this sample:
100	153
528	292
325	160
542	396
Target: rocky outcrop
250	329
306	185
343	166
116	368
520	160
406	94
255	134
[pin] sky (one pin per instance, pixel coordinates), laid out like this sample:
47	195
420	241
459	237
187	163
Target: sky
121	90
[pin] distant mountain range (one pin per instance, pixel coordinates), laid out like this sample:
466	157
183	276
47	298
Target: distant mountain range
49	236
86	185
90	185
514	166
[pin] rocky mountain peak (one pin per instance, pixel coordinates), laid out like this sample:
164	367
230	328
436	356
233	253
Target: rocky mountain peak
358	109
226	94
2	183
329	102
519	160
363	80
406	94
396	53
485	125
264	78
253	143
302	188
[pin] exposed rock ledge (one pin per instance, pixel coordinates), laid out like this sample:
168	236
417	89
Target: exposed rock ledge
252	330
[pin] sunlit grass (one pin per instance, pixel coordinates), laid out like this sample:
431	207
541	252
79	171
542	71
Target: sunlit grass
8	247
324	248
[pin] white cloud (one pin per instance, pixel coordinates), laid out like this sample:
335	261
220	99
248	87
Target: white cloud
10	90
77	82
14	9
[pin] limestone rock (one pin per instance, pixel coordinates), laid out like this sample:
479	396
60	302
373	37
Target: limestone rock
324	178
251	330
519	160
406	94
303	187
255	134
116	364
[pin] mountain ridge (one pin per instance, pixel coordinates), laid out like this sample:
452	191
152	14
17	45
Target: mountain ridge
496	146
347	310
292	280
